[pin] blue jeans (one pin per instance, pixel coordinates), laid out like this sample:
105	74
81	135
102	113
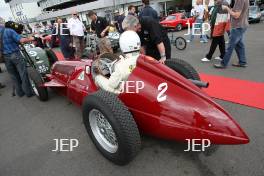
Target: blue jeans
16	67
198	24
236	42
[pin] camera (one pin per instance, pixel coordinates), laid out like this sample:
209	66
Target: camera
15	26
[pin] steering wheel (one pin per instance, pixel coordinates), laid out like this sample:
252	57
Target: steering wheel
108	64
105	64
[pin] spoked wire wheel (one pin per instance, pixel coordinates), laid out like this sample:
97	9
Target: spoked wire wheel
34	87
103	131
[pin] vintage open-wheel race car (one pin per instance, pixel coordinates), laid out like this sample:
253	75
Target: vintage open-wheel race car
114	122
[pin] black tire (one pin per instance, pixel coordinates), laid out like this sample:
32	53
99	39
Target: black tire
121	121
178	27
180	43
51	56
36	82
183	68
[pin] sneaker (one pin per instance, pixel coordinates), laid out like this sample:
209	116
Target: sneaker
227	42
202	41
220	66
239	65
205	60
188	41
218	58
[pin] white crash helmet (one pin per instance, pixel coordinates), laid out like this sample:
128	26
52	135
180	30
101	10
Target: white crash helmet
129	42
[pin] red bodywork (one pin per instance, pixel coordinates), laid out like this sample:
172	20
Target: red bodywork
175	19
188	112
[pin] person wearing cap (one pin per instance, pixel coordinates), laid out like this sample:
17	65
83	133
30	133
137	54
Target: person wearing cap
77	30
148	11
115	21
118	19
101	27
14	61
154	39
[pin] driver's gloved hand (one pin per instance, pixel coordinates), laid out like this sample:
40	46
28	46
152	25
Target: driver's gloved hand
96	70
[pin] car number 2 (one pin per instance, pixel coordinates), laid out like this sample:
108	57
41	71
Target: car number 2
162	88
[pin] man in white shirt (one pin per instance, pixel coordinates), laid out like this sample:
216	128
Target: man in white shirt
199	10
193	13
77	29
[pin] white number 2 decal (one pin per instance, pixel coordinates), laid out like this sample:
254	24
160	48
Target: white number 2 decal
162	88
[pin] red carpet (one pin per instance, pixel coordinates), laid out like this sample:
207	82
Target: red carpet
234	90
59	55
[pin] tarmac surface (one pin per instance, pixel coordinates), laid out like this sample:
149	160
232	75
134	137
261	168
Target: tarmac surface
28	127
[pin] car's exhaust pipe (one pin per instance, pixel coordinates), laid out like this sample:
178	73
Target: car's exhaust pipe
200	84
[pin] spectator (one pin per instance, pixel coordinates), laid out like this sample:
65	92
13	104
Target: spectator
100	26
116	16
77	30
118	21
132	10
239	24
193	12
2	22
148	11
199	16
219	25
14	61
154	38
63	33
206	17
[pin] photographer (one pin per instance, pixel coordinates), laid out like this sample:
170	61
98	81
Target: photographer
15	64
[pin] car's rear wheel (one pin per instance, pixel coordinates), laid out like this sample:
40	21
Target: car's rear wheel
51	56
36	82
183	68
179	27
111	127
180	43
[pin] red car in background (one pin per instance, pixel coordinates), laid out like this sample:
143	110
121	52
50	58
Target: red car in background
177	21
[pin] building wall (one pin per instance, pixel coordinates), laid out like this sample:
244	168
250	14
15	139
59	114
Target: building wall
106	7
24	12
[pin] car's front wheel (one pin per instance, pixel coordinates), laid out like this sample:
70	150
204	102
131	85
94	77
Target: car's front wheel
111	127
37	82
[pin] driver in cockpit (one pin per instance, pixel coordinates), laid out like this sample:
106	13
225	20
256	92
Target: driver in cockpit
130	46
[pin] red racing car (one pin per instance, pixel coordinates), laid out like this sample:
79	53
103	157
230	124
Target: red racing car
177	21
164	101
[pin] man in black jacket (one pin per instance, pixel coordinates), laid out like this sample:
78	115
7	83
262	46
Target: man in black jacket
101	27
154	38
